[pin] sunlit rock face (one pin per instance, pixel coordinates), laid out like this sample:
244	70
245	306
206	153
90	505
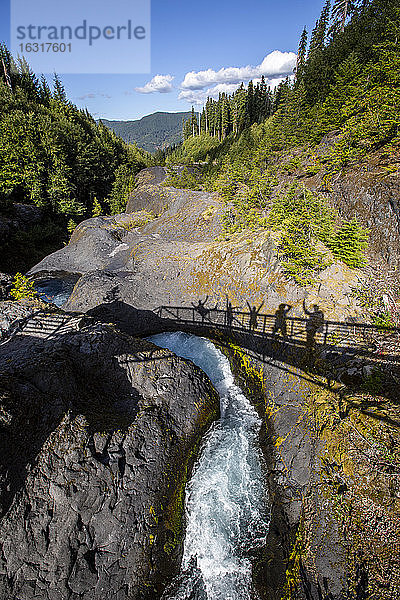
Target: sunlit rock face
170	250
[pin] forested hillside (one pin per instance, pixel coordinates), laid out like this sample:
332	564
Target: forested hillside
55	157
337	64
153	132
347	87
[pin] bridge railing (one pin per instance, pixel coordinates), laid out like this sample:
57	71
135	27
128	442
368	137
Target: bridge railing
330	333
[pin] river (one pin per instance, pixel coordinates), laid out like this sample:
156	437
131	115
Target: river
227	514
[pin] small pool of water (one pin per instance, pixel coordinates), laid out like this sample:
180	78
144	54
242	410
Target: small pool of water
56	291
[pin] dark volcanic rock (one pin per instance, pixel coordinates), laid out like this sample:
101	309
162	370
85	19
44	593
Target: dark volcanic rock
90	247
5	285
293	455
13	315
371	194
97	430
20	217
334	508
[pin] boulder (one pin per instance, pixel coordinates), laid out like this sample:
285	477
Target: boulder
148	193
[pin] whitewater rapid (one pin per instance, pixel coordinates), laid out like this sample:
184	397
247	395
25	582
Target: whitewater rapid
226	504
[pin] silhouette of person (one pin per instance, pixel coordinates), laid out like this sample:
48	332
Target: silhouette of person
229	313
280	319
254	311
202	310
314	323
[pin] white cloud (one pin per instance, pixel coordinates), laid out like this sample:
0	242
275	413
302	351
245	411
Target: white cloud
200	96
275	64
273	83
159	83
227	88
193	97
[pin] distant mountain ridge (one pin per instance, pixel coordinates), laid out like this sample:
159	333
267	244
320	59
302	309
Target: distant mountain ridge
158	130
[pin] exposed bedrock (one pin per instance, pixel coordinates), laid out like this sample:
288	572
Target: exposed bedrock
98	431
335	499
176	256
371	194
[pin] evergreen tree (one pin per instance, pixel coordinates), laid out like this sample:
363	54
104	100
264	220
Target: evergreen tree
263	103
59	90
51	153
97	210
239	109
45	92
193	123
250	102
225	116
301	55
341	10
318	36
349	244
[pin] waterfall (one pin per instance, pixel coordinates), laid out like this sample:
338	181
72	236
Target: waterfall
226	501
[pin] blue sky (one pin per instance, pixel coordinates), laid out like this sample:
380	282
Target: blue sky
193	37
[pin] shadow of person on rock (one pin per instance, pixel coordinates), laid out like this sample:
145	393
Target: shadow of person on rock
202	310
314	324
281	319
229	313
254	312
286	352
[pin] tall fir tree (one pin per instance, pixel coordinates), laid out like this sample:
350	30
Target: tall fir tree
250	112
341	11
301	55
318	36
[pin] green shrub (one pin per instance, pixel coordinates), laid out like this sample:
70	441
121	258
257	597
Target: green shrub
349	244
71	225
122	188
370	297
97	209
194	149
183	180
303	217
23	287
